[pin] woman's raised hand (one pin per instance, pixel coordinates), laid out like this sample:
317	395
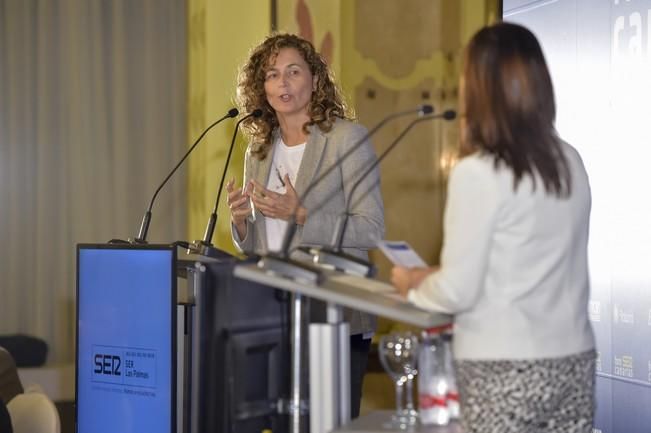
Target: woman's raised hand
239	205
276	205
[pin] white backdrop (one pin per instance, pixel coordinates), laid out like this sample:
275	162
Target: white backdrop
92	117
599	53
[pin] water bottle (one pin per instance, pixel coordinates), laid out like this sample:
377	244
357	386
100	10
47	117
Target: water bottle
432	380
452	397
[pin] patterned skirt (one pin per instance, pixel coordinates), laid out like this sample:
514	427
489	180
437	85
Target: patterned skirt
532	396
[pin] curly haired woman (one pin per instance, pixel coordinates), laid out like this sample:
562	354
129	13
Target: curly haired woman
303	131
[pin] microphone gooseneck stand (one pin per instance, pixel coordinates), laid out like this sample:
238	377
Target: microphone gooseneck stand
334	256
204	246
280	263
146	219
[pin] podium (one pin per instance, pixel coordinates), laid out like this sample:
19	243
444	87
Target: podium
195	344
329	351
168	344
126	339
238	346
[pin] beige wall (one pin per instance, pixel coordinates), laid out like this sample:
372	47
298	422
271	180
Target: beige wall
220	36
318	21
392	55
398	55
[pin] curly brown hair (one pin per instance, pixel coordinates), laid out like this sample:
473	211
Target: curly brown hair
327	103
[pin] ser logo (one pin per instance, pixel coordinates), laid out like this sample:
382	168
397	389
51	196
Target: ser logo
107	364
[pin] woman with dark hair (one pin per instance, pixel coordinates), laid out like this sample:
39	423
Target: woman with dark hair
514	270
303	131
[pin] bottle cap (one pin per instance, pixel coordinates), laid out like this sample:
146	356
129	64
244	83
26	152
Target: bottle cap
439	329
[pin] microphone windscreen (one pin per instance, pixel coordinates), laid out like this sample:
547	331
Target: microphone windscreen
449	115
426	109
256	113
233	112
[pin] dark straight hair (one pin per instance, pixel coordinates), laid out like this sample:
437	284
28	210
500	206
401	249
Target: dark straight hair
509	105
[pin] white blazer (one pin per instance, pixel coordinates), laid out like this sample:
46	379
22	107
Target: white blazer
514	269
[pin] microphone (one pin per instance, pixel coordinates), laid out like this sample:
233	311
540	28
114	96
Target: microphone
144	225
204	246
334	256
280	262
422	110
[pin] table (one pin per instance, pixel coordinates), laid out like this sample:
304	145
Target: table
380	422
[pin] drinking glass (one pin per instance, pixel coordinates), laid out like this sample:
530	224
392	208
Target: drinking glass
398	355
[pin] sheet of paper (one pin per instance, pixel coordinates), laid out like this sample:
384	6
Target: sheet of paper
401	254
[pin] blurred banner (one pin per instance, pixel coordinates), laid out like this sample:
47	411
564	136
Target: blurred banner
599	52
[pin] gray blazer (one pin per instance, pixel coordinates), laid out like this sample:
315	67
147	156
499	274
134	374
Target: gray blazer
328	200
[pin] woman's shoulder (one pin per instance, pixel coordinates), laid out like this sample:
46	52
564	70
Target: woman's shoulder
478	172
346	127
570	151
475	164
578	172
344	134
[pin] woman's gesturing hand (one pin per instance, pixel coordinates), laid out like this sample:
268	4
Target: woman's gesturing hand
405	279
238	203
276	205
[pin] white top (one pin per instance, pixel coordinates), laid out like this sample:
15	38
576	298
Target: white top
286	160
514	268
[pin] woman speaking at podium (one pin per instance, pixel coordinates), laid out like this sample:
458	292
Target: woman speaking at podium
304	130
514	269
